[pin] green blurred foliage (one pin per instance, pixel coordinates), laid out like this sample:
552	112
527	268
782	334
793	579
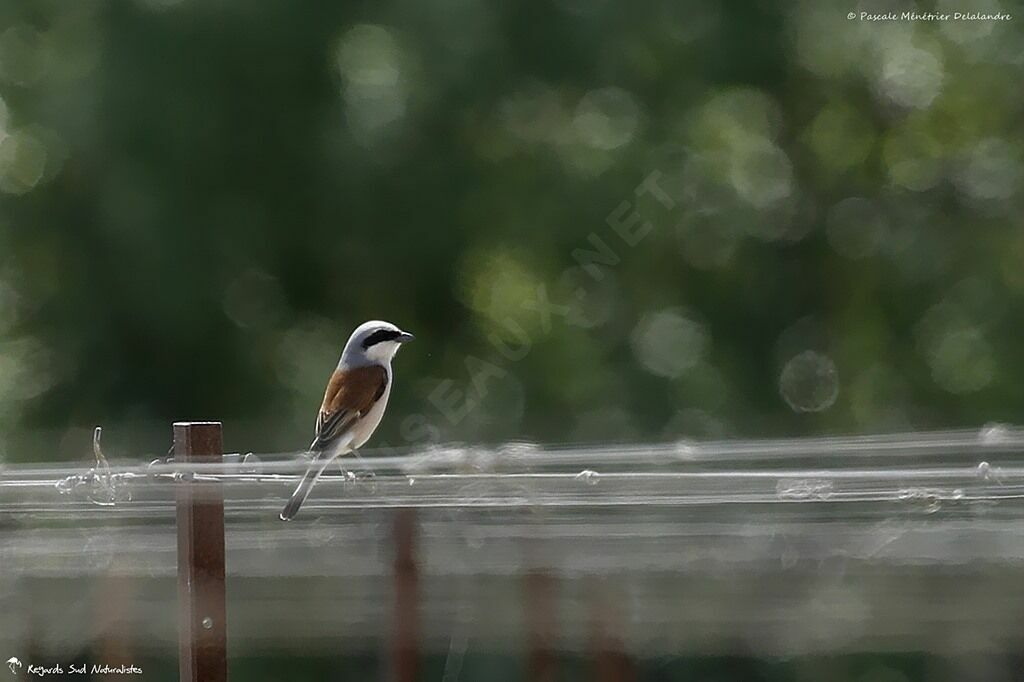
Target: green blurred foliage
201	199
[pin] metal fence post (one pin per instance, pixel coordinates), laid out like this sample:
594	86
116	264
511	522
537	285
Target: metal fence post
202	604
542	665
611	661
406	646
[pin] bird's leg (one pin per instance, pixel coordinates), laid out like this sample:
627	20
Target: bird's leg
345	473
352	476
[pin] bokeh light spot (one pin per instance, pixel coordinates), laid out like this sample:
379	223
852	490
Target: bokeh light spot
371	62
956	350
27	370
670	342
22	162
498	285
962	361
736	115
761	173
369	56
809	382
992	170
304	354
909	76
607	118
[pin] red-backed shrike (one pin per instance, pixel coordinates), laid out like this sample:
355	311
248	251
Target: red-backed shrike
354	401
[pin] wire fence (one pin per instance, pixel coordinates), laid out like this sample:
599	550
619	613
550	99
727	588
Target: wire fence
900	542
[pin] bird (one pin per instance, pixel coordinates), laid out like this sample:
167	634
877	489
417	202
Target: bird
354	401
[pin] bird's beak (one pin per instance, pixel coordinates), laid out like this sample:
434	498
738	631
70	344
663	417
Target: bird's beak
405	337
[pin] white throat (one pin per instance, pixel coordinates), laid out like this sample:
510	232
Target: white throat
382	352
377	354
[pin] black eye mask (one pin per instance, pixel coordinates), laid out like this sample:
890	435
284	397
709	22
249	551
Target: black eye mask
379	336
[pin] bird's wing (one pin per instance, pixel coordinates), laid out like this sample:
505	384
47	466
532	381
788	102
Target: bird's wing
350	394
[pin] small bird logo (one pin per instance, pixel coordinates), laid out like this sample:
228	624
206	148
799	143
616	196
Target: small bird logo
14	664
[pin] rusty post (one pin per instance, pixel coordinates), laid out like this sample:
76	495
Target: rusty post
611	661
202	607
613	664
540	621
406	654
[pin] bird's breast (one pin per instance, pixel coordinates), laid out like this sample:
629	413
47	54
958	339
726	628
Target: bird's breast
365	427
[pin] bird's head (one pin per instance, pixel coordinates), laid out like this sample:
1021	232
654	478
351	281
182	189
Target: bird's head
374	341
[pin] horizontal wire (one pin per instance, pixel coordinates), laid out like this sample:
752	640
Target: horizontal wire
931	466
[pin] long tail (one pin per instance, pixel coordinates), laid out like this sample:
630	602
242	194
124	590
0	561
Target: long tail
316	467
